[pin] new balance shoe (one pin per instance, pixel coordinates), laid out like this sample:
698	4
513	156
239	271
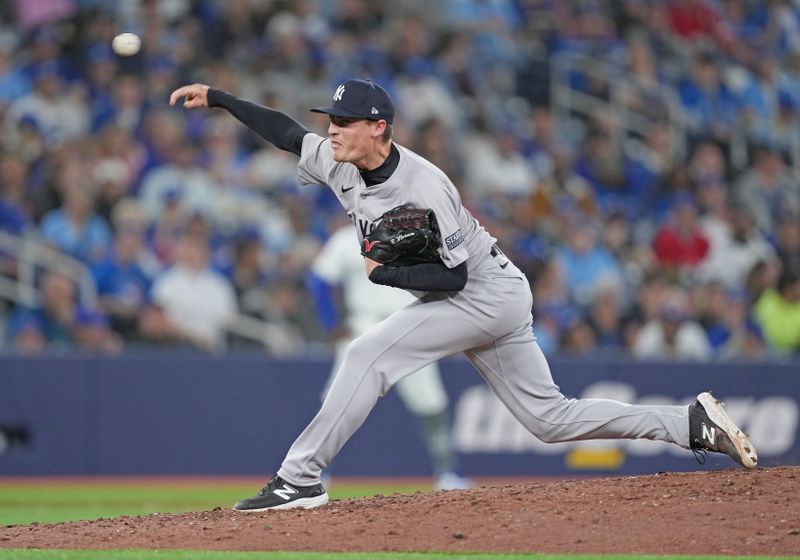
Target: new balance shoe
279	494
711	429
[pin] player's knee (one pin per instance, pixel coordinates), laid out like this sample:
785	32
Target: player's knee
546	416
545	435
369	357
543	430
360	352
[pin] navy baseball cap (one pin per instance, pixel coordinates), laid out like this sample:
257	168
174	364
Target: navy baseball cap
360	99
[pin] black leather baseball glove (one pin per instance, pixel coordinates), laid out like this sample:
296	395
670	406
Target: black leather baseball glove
404	235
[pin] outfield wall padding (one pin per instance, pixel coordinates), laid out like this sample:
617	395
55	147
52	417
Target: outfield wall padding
179	414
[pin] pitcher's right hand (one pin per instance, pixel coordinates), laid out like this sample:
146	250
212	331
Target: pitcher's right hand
195	95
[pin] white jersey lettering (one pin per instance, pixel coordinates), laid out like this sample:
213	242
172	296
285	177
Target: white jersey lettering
365	227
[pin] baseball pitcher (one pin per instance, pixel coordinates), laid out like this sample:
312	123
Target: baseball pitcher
415	234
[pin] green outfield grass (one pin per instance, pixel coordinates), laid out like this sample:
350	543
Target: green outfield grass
49	503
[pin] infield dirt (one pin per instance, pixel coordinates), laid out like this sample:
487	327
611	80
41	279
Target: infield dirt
731	512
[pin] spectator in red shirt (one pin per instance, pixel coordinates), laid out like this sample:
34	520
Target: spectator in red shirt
697	20
680	241
689	18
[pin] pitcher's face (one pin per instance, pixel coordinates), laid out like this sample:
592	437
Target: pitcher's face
353	140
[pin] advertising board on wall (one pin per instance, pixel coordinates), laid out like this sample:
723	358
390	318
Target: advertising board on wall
238	415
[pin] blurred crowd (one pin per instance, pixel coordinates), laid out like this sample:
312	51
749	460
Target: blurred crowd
648	243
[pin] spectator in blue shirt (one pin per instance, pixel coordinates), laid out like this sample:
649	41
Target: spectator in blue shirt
646	168
60	322
12	219
13	82
731	330
758	100
709	106
75	229
600	164
123	283
787	240
587	265
605	319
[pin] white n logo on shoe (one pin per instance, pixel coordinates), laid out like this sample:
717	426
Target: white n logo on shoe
285	492
709	433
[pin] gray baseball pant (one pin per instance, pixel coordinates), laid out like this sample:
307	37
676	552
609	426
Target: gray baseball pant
490	322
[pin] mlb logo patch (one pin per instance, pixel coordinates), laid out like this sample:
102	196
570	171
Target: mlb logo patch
454	240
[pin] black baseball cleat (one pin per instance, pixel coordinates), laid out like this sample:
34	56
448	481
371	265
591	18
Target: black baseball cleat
279	494
711	429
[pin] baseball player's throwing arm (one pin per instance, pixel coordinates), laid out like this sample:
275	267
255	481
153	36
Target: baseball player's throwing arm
275	127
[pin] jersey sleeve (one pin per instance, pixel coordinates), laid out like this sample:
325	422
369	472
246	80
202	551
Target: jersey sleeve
316	160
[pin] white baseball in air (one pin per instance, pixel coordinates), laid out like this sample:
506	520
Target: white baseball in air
126	44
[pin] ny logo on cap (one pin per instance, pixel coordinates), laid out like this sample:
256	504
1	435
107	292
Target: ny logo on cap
337	96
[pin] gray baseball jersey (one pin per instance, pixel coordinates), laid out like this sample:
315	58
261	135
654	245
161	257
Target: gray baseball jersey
489	320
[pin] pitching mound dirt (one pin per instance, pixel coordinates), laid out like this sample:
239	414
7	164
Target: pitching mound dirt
724	512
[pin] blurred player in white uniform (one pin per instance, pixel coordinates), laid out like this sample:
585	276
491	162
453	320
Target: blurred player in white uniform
340	264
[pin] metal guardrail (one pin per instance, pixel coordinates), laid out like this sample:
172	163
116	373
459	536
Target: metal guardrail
275	339
31	254
12	290
567	100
